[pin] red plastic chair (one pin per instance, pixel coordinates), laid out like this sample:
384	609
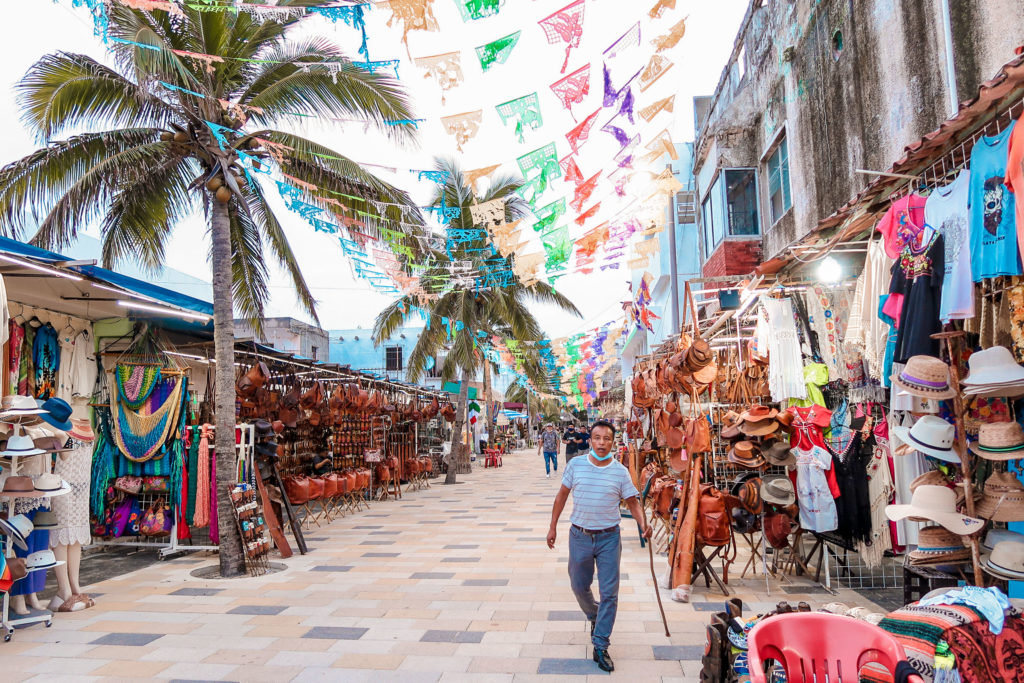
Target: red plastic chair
813	645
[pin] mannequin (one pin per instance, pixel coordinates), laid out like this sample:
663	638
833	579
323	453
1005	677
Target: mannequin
72	513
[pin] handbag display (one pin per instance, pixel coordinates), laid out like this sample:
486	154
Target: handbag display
129	484
697	429
253	379
297	489
152	484
157	520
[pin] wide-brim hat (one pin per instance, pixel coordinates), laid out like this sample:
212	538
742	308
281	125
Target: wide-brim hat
993	366
996	536
779	454
52	444
20	446
45	519
1006	561
778	490
924	376
938	545
15	407
999	441
20	487
930	435
759	428
42	559
18	528
263	428
747	489
699	355
777	527
936	504
757	413
746	454
731	422
50	484
58	413
929	478
81	430
1002	498
785	420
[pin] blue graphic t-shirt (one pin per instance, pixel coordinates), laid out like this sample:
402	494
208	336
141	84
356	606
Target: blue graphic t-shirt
992	208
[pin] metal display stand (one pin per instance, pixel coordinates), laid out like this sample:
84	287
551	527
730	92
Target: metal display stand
7	502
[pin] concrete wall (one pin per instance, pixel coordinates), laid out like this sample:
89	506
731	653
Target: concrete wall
843	109
288	334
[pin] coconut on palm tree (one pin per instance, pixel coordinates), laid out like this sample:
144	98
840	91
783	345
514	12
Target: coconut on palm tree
471	309
144	156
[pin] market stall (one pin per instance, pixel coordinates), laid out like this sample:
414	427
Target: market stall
854	405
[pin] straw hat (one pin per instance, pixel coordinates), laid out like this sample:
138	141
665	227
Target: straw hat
780	454
993	367
1006	561
936	504
1002	499
778	490
81	430
924	376
930	435
929	478
746	454
936	545
999	441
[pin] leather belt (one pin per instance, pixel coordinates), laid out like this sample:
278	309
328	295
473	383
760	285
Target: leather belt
595	532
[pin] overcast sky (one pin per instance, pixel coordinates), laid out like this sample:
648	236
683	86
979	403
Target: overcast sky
35	27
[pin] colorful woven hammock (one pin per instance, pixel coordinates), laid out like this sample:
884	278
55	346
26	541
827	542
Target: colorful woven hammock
135	383
142	437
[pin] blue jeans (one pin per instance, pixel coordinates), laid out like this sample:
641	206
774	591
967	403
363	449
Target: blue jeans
604	551
550	461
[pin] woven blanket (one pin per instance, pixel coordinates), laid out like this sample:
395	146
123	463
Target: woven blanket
919	629
982	656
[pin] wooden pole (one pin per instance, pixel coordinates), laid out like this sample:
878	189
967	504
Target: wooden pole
966	458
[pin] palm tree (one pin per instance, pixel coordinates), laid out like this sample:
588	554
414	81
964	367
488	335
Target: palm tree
144	157
494	310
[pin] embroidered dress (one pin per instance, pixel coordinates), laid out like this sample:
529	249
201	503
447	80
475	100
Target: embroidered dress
72	509
817	506
785	372
15	342
917	288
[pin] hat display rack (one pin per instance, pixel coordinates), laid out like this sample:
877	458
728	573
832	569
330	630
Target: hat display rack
14	529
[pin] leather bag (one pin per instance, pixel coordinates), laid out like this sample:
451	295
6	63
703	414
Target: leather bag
316	488
713	519
253	379
297	489
697	429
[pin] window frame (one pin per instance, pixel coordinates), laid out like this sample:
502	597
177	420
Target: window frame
387	358
718	194
780	142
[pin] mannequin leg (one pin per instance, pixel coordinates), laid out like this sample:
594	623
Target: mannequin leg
74	564
64	590
18	605
33	601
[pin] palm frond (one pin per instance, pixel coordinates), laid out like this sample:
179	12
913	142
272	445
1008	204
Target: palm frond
249	274
65	91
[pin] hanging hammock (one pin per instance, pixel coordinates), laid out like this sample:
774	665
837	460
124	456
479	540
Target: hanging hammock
141	437
135	382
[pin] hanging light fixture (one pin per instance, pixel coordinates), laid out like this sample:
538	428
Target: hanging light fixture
829	270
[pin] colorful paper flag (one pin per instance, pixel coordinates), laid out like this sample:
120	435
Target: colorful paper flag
565	26
497	51
526	112
573	88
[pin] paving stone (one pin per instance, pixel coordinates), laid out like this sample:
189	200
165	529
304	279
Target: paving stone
365	526
485	582
452	637
460	547
708	606
263	610
330	568
678	652
566	615
380	554
195	592
377	543
335	633
569	667
130	639
432	575
460	559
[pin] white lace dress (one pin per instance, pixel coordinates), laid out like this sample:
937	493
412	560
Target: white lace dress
72	509
786	370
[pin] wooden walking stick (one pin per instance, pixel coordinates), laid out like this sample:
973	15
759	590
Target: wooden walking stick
654	576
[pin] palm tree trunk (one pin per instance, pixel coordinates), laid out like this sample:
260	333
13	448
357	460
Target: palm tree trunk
231	559
460	443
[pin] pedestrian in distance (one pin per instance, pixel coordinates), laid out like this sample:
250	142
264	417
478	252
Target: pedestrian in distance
597	482
570	442
549	445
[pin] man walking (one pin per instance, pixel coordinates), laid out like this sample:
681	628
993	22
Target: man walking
570	443
597	482
549	443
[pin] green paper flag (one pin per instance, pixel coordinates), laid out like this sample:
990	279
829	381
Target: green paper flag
478	9
547	215
496	51
557	246
526	111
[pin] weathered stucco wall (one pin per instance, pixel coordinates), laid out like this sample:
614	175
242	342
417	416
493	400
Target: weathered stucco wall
851	83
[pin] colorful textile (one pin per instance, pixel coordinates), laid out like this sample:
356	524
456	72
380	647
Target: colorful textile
15	343
917	283
817	506
26	371
982	656
135	382
497	51
991	602
901	223
46	360
919	629
992	206
141	437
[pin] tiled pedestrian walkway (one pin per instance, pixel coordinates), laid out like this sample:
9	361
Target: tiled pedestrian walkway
450	583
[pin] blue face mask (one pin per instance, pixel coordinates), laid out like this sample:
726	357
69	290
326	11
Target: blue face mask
597	457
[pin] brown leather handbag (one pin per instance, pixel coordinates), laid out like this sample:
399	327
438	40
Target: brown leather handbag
316	488
254	378
352	480
296	488
713	526
330	486
313	397
697	429
383	472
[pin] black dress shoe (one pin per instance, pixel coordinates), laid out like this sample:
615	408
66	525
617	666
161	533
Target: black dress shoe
604	660
592	627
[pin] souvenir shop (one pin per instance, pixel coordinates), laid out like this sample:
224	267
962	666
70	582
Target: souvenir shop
107	436
852	413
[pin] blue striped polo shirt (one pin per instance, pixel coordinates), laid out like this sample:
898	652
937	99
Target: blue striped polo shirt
596	492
